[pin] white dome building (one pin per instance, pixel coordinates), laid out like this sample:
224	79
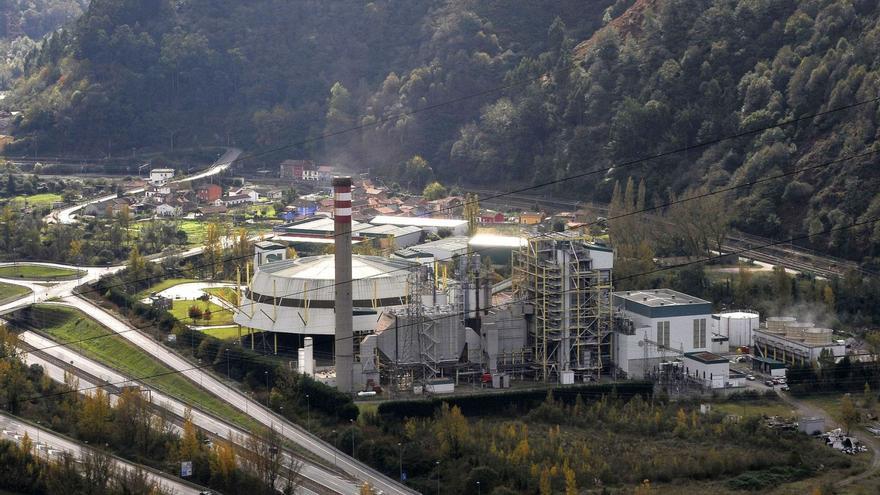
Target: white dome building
297	296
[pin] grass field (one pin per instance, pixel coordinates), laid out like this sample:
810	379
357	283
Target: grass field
45	199
165	284
754	408
195	231
226	333
219	316
39	272
8	291
228	294
70	324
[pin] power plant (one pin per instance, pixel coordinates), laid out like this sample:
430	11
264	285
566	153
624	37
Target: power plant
434	315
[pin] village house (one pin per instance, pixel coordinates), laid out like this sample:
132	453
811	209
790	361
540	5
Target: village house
208	193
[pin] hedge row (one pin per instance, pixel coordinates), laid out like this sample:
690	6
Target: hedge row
511	401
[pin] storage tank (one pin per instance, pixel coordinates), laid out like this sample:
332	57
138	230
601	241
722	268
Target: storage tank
737	326
795	329
818	336
776	324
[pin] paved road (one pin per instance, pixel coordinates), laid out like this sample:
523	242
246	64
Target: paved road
201	419
292	432
49	443
67	215
57	289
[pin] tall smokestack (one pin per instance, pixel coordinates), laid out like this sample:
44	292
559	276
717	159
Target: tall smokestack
342	235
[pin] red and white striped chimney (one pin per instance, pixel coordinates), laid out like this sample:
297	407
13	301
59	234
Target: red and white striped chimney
344	348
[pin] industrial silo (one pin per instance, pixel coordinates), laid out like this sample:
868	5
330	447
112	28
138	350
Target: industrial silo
794	330
776	324
738	326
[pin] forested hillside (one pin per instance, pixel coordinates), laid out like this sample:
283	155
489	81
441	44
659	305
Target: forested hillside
660	75
23	23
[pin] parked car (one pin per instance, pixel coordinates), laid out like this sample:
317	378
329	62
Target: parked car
769	383
784	388
751	378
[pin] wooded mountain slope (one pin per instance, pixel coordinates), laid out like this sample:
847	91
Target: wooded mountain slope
662	74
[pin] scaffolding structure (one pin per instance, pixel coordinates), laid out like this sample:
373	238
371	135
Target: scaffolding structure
571	327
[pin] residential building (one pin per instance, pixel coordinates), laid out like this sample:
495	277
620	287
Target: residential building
491	216
325	173
208	193
161	176
238	199
293	169
207	211
167	210
531	218
658	325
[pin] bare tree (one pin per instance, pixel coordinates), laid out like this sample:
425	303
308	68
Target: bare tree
97	470
137	482
263	456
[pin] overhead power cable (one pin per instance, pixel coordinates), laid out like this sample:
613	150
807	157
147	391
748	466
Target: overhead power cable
496	306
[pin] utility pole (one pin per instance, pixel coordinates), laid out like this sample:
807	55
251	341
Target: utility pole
267	388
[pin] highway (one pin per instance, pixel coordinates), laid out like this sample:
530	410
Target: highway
50	444
61	293
66	215
292	432
53	358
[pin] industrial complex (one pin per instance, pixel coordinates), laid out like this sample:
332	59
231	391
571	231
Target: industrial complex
429	314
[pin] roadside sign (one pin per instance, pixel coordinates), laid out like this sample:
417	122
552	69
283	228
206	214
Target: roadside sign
186	469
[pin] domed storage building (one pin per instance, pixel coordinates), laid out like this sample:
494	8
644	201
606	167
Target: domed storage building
297	296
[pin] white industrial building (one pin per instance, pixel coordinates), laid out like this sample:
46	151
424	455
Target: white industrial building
319	230
161	176
657	325
433	225
706	368
297	296
793	342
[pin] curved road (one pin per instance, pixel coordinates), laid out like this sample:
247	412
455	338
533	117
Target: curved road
203	420
292	432
66	215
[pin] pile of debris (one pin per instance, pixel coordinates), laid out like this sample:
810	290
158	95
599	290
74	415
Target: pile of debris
874	428
836	439
780	423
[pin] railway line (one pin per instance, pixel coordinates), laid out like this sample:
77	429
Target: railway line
790	256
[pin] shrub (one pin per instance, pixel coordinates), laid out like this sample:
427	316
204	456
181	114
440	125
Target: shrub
195	312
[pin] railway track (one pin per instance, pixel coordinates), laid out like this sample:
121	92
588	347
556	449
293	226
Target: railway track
792	257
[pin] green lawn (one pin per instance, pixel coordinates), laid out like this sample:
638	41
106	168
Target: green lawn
45	199
73	325
228	294
195	231
226	333
39	272
9	291
219	316
165	284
